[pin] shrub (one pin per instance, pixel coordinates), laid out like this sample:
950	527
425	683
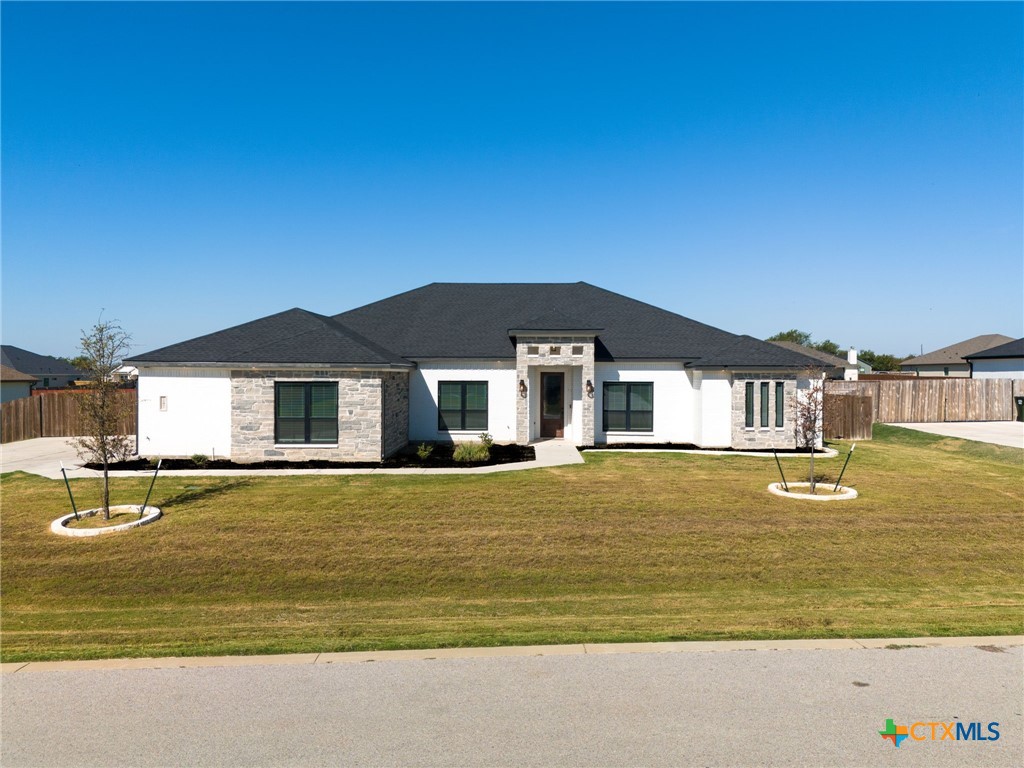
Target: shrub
200	459
466	452
424	450
486	440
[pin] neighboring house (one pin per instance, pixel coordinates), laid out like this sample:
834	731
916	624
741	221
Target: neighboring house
449	361
15	384
848	368
51	372
1003	362
951	360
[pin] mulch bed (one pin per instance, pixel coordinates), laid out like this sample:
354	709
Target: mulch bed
441	458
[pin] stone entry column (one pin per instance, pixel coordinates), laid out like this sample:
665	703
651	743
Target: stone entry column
546	357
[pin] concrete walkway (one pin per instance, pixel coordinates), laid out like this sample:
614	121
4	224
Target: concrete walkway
579	649
43	456
1009	433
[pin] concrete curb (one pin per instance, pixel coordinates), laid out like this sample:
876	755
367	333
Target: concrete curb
777	489
582	649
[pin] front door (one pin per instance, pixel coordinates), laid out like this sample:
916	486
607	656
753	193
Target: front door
552	414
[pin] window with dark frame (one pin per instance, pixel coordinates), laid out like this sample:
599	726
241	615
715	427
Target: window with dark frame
749	405
461	405
780	403
764	403
305	412
628	406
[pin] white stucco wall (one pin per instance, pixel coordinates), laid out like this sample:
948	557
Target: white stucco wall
673	402
501	395
715	410
197	418
1004	368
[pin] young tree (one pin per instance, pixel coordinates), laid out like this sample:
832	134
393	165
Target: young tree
104	411
809	413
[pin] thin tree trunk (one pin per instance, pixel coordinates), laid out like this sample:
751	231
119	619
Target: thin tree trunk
106	487
812	468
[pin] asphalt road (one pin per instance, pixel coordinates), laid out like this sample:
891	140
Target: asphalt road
737	708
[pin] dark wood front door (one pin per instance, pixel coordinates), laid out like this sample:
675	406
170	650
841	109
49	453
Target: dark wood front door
552	411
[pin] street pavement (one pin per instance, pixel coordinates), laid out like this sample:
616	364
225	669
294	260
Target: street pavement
796	707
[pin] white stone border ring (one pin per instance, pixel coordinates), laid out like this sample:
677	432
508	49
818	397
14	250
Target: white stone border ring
844	493
60	525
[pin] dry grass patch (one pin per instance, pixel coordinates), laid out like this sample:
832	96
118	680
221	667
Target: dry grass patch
625	547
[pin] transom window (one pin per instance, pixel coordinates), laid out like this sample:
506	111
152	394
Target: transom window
305	413
628	406
461	405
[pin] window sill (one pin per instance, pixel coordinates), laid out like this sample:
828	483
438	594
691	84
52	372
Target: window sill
628	432
282	446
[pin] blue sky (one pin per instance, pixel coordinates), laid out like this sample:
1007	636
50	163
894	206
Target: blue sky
852	170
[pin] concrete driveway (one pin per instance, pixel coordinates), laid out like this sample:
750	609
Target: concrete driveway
41	456
1009	433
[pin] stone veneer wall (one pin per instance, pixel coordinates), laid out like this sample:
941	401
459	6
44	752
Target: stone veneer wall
565	358
396	412
760	437
359	417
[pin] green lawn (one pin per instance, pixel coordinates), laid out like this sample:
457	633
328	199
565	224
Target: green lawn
626	547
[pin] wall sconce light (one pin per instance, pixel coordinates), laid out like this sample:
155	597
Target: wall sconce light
522	388
590	388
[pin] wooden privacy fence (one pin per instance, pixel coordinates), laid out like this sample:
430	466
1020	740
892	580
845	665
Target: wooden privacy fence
929	400
54	414
847	417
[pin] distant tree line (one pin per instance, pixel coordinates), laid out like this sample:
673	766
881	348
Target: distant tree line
877	361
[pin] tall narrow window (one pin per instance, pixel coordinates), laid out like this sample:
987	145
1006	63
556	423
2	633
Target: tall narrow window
749	405
628	406
764	403
780	403
305	413
461	405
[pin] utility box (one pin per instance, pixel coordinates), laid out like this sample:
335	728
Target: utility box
1019	402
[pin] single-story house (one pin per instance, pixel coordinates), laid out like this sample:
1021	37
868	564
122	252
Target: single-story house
1003	362
846	369
15	385
52	372
449	361
951	361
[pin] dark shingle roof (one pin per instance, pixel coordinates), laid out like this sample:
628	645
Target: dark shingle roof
957	353
746	351
33	364
472	320
295	337
1013	348
821	357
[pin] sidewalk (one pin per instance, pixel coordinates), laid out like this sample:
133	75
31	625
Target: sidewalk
43	456
580	649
